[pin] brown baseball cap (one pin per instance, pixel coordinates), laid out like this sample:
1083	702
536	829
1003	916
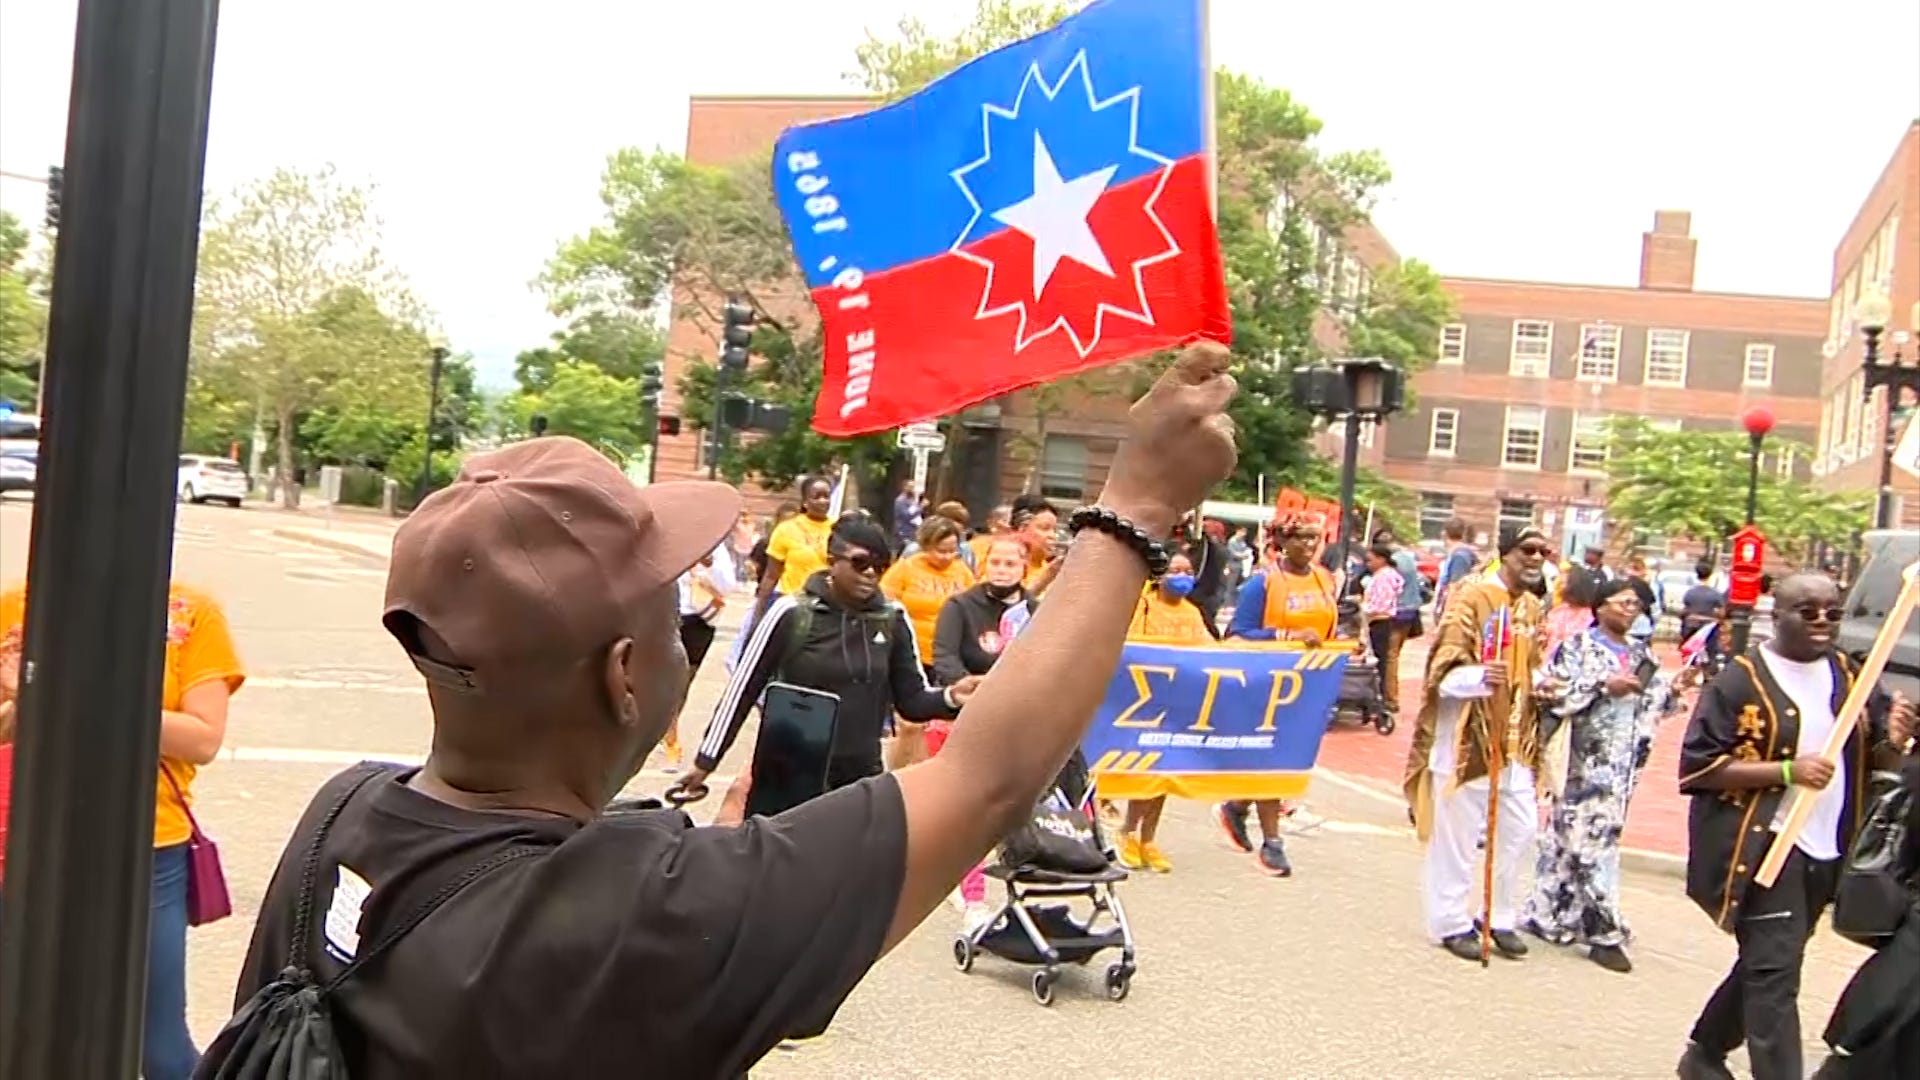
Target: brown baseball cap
537	556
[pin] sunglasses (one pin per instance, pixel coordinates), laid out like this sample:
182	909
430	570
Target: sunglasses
1534	551
861	562
1813	613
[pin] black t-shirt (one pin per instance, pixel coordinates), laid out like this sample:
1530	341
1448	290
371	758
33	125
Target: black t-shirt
1700	602
635	945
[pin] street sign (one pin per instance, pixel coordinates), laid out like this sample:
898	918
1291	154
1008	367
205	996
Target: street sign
925	437
920	470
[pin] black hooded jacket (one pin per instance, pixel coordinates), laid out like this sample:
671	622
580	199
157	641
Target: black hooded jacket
865	655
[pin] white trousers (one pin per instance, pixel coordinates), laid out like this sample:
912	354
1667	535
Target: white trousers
1454	893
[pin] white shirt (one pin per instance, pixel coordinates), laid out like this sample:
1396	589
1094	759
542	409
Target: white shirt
719	576
1810	686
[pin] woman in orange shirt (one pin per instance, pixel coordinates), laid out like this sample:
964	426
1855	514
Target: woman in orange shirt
1164	617
921	583
202	672
1293	600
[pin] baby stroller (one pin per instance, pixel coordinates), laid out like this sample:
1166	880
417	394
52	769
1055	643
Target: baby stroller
1023	930
1360	697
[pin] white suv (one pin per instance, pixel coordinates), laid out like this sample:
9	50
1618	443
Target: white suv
211	479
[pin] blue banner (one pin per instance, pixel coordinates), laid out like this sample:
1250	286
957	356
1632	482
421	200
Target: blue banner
1234	720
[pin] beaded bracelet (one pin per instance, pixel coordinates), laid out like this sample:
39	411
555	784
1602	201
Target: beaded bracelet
1101	519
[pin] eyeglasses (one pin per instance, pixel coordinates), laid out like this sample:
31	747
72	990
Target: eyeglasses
861	562
1627	602
1813	613
1535	551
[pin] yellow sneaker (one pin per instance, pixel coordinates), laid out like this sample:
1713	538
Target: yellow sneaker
1131	856
1155	859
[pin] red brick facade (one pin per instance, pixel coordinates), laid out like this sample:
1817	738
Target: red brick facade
1881	248
1506	422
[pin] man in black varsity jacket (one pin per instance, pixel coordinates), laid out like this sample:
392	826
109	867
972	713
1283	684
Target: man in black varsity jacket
1758	729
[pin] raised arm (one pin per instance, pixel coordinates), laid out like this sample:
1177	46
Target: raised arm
996	764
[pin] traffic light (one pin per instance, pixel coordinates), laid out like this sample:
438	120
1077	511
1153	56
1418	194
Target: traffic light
538	424
736	335
56	178
650	385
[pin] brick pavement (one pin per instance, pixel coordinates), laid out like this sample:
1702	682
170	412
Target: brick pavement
1656	822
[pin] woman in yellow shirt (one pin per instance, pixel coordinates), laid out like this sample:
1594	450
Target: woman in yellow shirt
202	672
797	549
1165	617
922	582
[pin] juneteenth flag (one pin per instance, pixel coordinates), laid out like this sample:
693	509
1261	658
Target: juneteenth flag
1042	210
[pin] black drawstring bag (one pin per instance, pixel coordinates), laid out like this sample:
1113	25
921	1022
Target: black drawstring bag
285	1030
1874	896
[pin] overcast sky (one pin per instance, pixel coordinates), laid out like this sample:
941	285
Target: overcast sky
1529	140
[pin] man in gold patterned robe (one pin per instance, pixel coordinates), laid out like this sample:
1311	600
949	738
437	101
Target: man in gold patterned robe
1487	647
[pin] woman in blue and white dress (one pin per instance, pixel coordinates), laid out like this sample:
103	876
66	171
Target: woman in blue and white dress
1611	698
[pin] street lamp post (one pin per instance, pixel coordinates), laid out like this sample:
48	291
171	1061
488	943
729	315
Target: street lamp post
1759	422
1357	391
439	354
1899	377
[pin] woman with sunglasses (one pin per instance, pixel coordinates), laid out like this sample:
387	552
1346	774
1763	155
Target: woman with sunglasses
1294	600
840	635
1611	698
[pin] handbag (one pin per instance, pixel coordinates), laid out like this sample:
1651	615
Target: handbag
207	897
1874	896
1057	839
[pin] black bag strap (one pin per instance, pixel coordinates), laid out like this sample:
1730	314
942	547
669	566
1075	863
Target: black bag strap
310	868
432	904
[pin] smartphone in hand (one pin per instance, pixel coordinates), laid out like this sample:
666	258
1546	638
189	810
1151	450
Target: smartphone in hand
795	745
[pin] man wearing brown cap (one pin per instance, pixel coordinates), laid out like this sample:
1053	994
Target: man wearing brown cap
562	939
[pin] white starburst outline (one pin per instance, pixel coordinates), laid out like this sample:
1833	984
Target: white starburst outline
1144	315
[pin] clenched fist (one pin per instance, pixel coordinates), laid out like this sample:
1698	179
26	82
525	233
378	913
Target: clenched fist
1179	442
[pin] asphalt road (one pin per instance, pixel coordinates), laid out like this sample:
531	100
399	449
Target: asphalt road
1323	975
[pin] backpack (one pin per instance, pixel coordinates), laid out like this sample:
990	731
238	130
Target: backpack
285	1030
1876	894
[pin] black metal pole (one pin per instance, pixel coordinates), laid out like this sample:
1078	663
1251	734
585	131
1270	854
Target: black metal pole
715	429
1349	473
653	443
80	844
1740	616
433	412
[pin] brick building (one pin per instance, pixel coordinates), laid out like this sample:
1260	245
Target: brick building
1508	422
1881	249
1003	448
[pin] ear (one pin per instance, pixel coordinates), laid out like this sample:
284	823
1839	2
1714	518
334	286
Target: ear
620	701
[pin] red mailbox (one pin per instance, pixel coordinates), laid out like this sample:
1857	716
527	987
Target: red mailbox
1749	551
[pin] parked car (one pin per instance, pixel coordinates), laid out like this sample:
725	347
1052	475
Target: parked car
204	478
18	470
1888	553
1427	558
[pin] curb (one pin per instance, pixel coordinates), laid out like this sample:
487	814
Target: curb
1637	860
331	543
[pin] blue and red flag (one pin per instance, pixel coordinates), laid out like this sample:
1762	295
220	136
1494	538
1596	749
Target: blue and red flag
1042	210
1496	636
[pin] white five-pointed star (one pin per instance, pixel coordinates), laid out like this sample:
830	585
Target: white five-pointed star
1055	216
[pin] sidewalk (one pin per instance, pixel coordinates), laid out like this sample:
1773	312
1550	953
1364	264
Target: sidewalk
355	539
1656	822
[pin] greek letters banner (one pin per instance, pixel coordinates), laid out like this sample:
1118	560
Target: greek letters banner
1226	721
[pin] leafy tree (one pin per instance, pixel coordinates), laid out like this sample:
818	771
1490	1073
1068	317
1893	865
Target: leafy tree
615	341
297	310
23	317
1693	485
585	402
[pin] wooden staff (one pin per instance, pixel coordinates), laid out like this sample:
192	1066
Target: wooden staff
1499	714
1799	798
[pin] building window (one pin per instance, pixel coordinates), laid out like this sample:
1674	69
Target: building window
1759	367
1453	343
1435	511
1444	434
1532	350
1525	434
1063	468
1338	431
1783	463
1587	449
1666	358
1599	354
1515	514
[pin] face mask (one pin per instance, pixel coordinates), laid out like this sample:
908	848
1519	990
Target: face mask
1001	592
1177	585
